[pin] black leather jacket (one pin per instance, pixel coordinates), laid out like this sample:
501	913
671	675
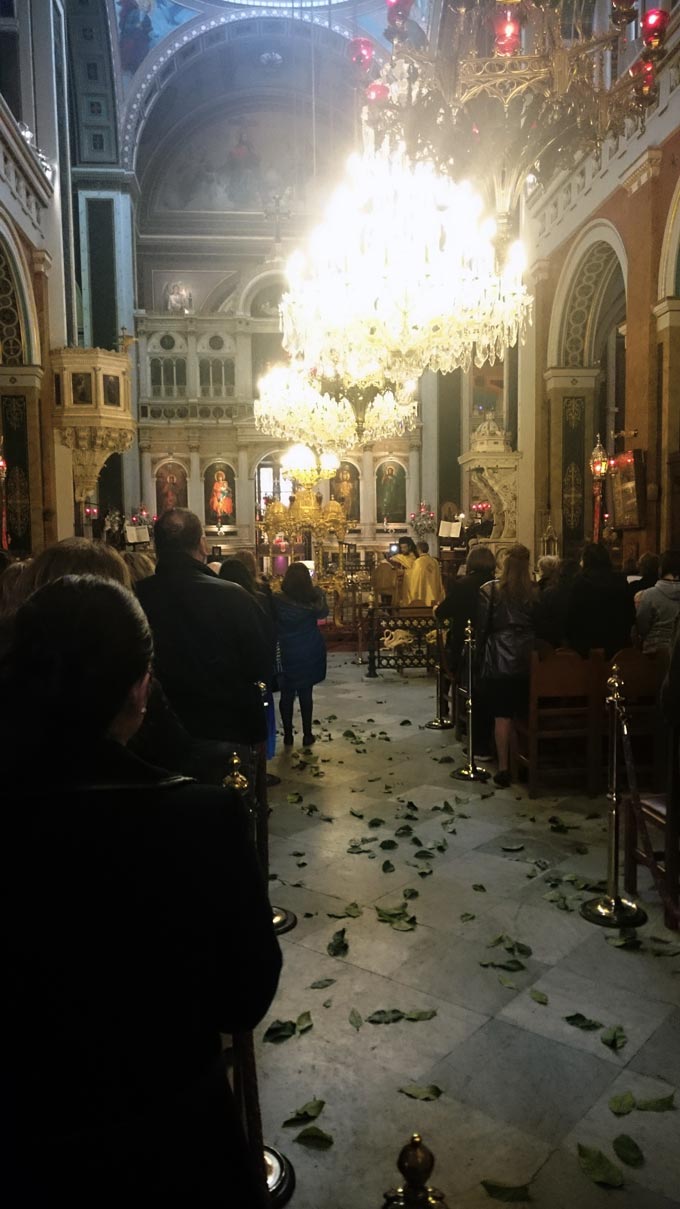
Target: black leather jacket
505	633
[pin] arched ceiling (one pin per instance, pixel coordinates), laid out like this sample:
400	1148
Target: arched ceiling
270	112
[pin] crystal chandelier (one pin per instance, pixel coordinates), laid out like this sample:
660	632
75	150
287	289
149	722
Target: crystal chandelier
401	277
307	466
329	414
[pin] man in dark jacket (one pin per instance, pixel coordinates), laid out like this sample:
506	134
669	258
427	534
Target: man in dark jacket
210	650
600	613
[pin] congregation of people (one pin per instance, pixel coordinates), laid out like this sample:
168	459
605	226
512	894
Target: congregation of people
583	606
137	922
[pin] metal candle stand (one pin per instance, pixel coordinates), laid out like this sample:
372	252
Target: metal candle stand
470	771
439	722
276	1171
611	910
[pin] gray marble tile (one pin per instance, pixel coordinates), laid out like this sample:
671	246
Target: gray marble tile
657	1135
521	1078
660	1055
561	1184
631	970
569	993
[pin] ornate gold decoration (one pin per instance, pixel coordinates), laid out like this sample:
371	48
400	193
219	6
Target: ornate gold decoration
572	496
90	448
573	410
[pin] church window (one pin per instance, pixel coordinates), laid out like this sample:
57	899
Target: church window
168	377
216	377
167	341
216	343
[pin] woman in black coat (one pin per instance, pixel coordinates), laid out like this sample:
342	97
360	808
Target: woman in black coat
299	607
505	640
136	926
600	612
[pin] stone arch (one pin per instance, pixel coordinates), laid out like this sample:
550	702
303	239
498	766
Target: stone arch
584	280
16	294
669	263
205	35
271	276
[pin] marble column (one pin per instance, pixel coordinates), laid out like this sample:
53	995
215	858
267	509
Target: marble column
429	460
572	394
413	492
148	481
245	500
466	397
367	496
195	483
667	314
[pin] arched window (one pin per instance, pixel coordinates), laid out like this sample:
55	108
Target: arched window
216	377
168	377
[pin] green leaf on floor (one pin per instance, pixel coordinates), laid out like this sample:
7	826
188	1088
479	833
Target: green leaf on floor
507	982
510	1193
664	1104
404	830
539	996
578	1020
332	718
627	939
406	722
404	925
314	1137
337	945
280	1030
349	734
440	845
416	841
376	822
424	854
388	845
357	814
417	1091
308	1112
443	759
422	1014
513	964
387	867
301	864
304	1022
309	914
581	849
671	951
512	847
628	1151
298	854
355	1019
385	1016
424	873
321	984
353	910
409	893
614	1037
479	888
623	1104
600	1169
467	917
293	798
327	1003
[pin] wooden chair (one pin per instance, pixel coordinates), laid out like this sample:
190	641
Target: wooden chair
642	675
563	708
661	812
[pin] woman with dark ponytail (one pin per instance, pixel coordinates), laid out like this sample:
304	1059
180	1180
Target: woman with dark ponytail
123	954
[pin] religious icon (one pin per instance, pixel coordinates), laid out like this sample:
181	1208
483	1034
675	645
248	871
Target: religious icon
81	388
390	482
219	489
345	489
111	390
171	487
177	299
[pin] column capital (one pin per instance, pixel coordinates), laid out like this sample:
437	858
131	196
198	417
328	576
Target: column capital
572	377
667	314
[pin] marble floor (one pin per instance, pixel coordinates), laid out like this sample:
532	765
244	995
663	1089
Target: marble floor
374	818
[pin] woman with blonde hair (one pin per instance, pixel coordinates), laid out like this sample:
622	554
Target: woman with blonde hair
505	639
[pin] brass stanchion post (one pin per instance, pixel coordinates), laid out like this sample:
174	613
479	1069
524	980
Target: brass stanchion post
470	771
275	1171
416	1164
371	674
611	910
439	722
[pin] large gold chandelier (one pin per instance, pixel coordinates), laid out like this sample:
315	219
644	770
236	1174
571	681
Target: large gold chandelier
402	276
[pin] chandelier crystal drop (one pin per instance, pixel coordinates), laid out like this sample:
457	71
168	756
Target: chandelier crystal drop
401	277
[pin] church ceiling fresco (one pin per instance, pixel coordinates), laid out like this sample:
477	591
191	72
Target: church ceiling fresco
142	24
246	162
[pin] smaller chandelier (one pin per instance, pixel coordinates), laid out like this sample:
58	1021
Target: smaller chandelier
307	466
329	414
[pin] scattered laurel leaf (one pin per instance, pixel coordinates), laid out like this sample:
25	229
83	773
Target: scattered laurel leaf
578	1020
614	1037
664	1104
628	1151
600	1169
321	984
314	1137
308	1112
539	996
355	1019
280	1030
337	945
417	1091
623	1104
511	1194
